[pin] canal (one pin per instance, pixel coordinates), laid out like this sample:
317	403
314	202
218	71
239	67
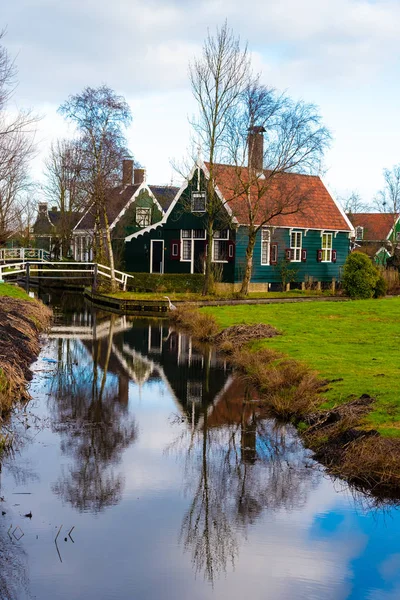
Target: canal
144	468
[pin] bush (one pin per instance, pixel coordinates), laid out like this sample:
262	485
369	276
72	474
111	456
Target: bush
170	282
360	276
380	287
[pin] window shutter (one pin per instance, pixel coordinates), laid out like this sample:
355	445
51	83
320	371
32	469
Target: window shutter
175	253
288	253
334	255
319	255
303	255
231	251
273	254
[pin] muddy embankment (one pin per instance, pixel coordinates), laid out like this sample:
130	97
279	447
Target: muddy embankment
21	323
340	438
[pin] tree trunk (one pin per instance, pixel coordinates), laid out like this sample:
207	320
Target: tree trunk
110	252
244	290
208	274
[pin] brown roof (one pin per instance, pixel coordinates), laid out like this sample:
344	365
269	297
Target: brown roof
117	199
302	200
377	226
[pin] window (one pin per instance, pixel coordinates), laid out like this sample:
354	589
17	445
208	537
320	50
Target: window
359	233
295	246
186	233
220	246
327	247
143	217
199	234
397	236
186	250
265	246
175	249
198	201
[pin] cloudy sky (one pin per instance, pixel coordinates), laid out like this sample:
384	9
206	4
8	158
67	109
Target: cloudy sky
342	55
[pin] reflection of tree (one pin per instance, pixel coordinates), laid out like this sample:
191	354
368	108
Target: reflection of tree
93	423
13	570
238	464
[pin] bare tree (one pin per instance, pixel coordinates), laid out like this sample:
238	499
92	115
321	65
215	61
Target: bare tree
100	117
16	147
353	204
217	80
277	137
64	186
387	200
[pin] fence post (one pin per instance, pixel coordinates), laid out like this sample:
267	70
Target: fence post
27	276
1	274
94	284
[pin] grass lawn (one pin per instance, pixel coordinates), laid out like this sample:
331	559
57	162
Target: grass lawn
190	296
357	342
13	291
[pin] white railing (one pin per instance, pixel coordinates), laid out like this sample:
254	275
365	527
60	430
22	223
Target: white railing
7	254
35	269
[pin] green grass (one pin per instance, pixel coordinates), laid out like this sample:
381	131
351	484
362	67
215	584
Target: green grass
192	297
357	342
13	291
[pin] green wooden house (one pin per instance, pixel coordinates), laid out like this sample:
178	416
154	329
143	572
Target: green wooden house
376	234
313	242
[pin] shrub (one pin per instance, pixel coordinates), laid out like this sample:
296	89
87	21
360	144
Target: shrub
360	276
380	287
170	282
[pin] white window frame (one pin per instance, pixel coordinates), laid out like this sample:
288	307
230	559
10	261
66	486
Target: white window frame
359	237
265	244
143	220
296	248
199	195
327	251
190	236
216	240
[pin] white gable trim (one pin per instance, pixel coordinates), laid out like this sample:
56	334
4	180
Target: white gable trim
141	187
198	164
392	229
340	209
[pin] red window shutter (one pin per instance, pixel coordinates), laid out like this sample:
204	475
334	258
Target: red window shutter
273	254
175	253
319	255
334	255
303	255
231	251
288	253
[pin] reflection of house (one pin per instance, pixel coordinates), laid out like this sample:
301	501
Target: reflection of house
315	238
376	234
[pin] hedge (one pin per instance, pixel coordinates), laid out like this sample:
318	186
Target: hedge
172	282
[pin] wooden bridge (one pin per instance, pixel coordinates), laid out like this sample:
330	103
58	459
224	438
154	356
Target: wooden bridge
44	270
23	254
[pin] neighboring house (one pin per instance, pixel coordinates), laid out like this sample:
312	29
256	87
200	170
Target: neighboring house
47	227
130	207
376	234
314	242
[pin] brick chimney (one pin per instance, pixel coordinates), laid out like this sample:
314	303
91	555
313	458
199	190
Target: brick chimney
127	171
256	148
138	176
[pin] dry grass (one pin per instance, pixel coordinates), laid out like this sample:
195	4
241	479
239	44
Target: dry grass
202	327
21	322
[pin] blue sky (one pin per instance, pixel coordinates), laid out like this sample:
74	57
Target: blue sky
343	56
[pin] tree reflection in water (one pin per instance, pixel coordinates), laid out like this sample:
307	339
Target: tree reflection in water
13	568
89	409
238	463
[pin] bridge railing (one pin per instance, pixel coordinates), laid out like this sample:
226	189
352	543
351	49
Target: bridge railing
63	270
7	254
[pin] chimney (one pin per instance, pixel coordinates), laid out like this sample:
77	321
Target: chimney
256	148
127	171
54	209
138	176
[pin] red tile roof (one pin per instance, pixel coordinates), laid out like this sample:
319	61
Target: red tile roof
303	200
377	226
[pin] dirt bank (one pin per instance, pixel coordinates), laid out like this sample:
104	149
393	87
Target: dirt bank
21	322
291	391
